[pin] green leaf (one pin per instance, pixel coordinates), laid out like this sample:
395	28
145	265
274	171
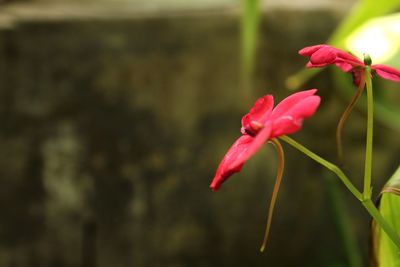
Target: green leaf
386	254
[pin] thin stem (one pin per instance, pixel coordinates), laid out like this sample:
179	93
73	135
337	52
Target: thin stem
367	203
345	116
279	174
370	128
325	163
377	216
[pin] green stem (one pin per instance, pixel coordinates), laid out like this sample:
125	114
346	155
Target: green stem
370	128
367	203
373	211
330	166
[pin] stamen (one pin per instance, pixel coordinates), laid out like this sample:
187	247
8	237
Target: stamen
248	131
278	179
252	128
345	116
256	126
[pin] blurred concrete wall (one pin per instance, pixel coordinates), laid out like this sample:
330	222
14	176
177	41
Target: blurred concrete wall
112	126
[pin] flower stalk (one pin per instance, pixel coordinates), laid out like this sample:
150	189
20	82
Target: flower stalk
264	123
366	202
279	174
369	141
329	165
383	224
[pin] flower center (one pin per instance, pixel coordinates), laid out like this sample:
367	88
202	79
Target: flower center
252	128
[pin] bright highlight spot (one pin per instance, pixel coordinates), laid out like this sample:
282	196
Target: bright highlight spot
377	37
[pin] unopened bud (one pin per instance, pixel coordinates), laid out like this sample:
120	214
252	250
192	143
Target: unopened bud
367	60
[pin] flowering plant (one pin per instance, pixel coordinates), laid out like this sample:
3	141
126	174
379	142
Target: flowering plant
265	124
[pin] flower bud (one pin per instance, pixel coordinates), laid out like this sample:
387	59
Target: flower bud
367	60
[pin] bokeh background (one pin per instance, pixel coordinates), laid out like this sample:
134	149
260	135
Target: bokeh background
115	114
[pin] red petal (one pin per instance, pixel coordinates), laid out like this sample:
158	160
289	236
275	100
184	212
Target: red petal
286	104
259	112
254	146
357	76
348	58
322	55
234	155
344	66
288	116
308	51
387	72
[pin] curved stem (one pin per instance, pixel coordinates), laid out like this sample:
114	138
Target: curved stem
367	203
279	174
345	116
370	128
326	164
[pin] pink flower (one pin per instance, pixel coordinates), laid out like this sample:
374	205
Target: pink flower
322	55
263	123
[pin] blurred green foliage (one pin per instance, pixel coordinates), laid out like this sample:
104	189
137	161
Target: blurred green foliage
365	10
249	35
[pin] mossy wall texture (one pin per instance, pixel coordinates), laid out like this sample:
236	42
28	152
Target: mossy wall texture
111	130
